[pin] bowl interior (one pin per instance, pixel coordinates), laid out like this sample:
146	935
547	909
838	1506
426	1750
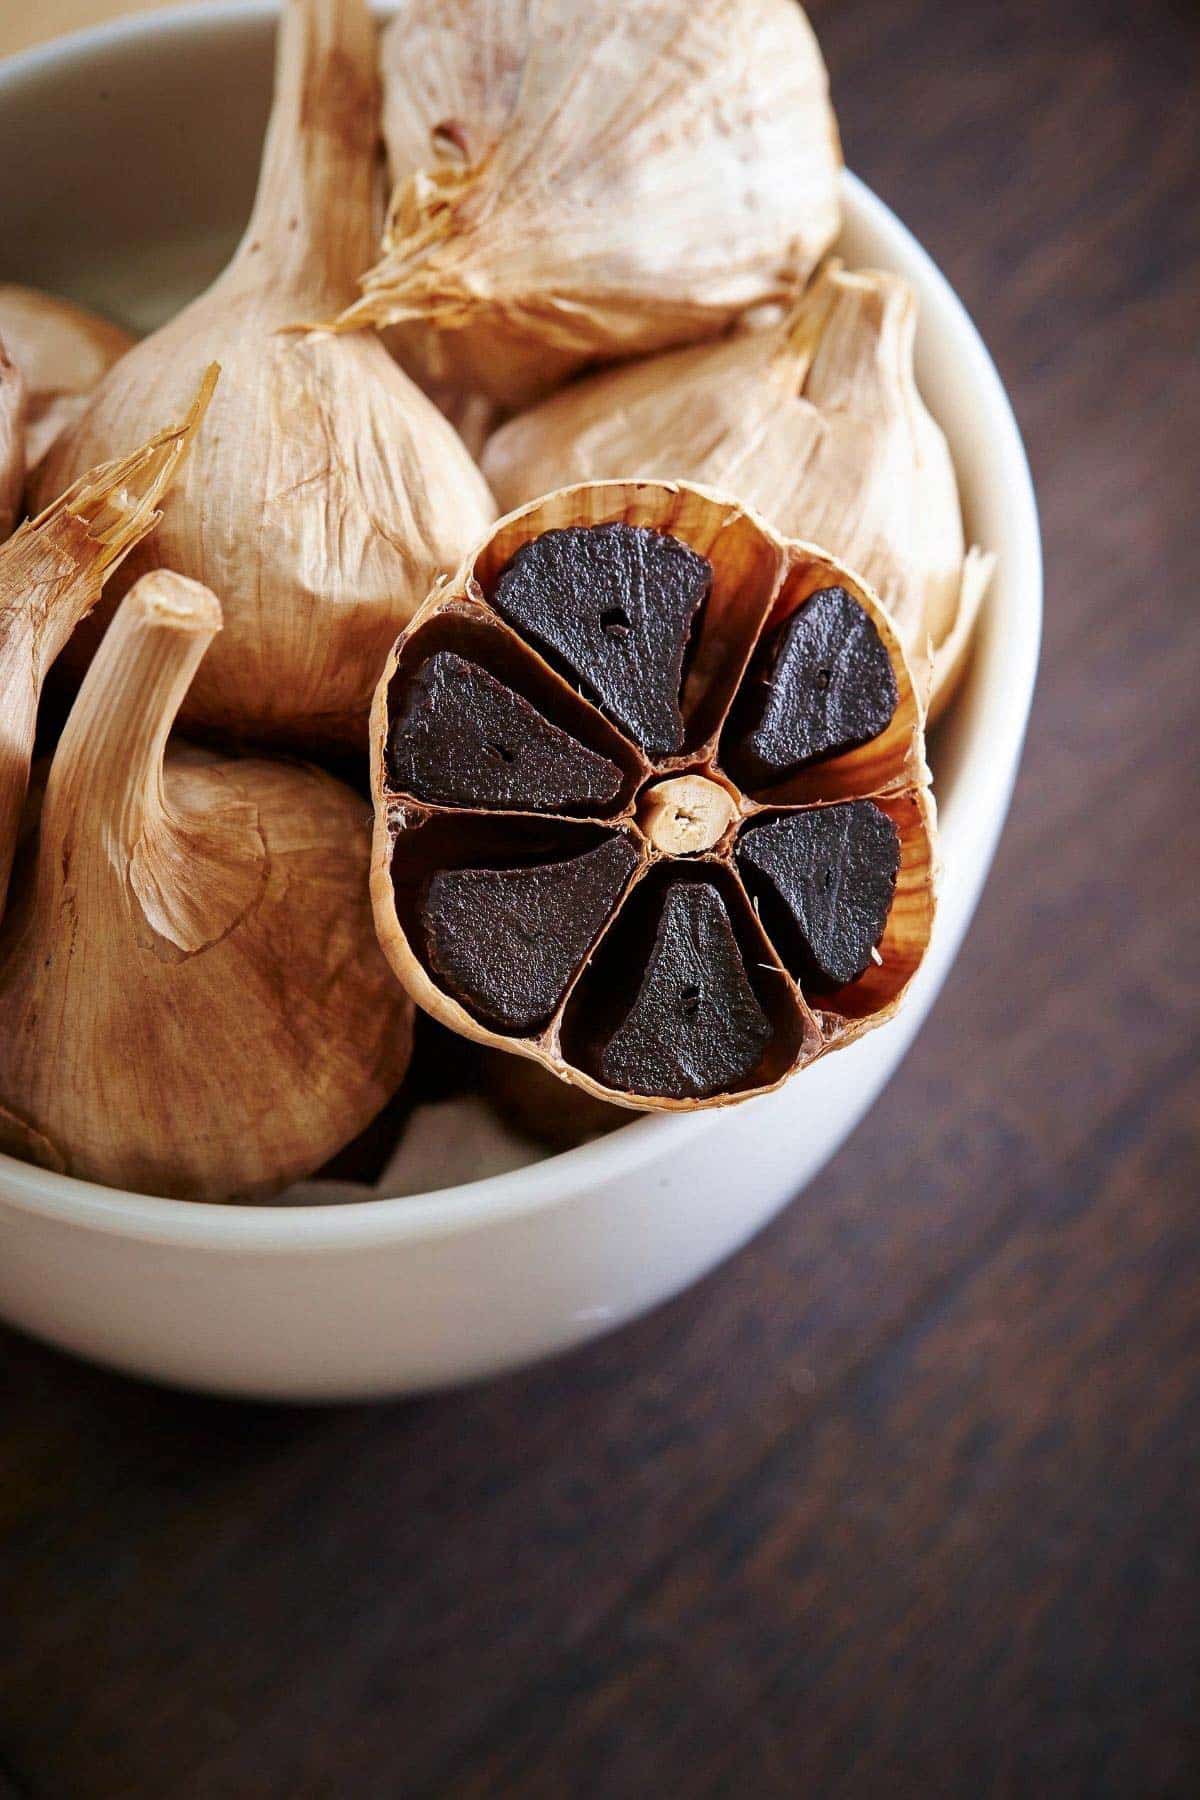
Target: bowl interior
127	164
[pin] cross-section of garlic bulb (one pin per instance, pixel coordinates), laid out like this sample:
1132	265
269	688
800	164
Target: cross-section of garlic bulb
326	493
591	178
51	574
816	421
192	999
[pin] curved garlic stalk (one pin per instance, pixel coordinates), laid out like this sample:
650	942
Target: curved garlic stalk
817	421
192	1000
12	440
62	350
587	178
51	574
326	492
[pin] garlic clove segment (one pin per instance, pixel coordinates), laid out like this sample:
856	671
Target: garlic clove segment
326	493
588	178
758	886
817	421
62	350
192	999
51	574
13	411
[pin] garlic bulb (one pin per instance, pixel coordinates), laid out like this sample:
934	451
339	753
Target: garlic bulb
51	574
326	494
816	421
543	1106
192	1000
62	350
12	441
651	800
589	178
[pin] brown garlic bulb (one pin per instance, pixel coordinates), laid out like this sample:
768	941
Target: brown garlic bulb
816	421
588	178
62	350
652	806
13	399
51	574
192	1000
542	1106
326	493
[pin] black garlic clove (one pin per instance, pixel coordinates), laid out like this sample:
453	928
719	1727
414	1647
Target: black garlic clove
821	683
824	880
463	738
506	942
695	1027
616	606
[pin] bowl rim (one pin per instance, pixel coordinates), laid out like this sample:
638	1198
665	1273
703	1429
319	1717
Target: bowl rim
562	1177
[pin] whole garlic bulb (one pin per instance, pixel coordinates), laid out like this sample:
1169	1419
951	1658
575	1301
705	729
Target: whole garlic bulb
62	350
326	493
51	574
12	441
816	421
589	178
192	999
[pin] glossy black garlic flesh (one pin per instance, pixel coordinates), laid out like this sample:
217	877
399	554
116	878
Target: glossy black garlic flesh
650	799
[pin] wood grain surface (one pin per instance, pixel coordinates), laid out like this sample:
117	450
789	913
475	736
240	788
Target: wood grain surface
906	1498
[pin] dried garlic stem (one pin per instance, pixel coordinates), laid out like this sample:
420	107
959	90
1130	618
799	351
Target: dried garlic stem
192	1000
311	232
51	574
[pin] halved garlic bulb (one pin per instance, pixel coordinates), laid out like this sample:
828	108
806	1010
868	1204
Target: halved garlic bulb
652	806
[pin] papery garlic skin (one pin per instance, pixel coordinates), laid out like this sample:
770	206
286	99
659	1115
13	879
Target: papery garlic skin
326	493
13	411
192	999
51	574
816	420
62	350
590	178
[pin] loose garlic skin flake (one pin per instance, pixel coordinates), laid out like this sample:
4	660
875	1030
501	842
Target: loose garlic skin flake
817	422
674	832
326	493
192	999
582	179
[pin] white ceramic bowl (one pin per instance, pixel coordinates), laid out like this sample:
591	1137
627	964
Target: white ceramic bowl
127	160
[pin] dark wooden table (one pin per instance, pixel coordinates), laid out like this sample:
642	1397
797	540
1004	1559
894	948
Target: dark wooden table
905	1500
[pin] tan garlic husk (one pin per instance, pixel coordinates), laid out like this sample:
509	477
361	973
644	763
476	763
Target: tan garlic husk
543	1106
192	1000
578	179
817	421
51	575
759	580
326	493
13	432
62	350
